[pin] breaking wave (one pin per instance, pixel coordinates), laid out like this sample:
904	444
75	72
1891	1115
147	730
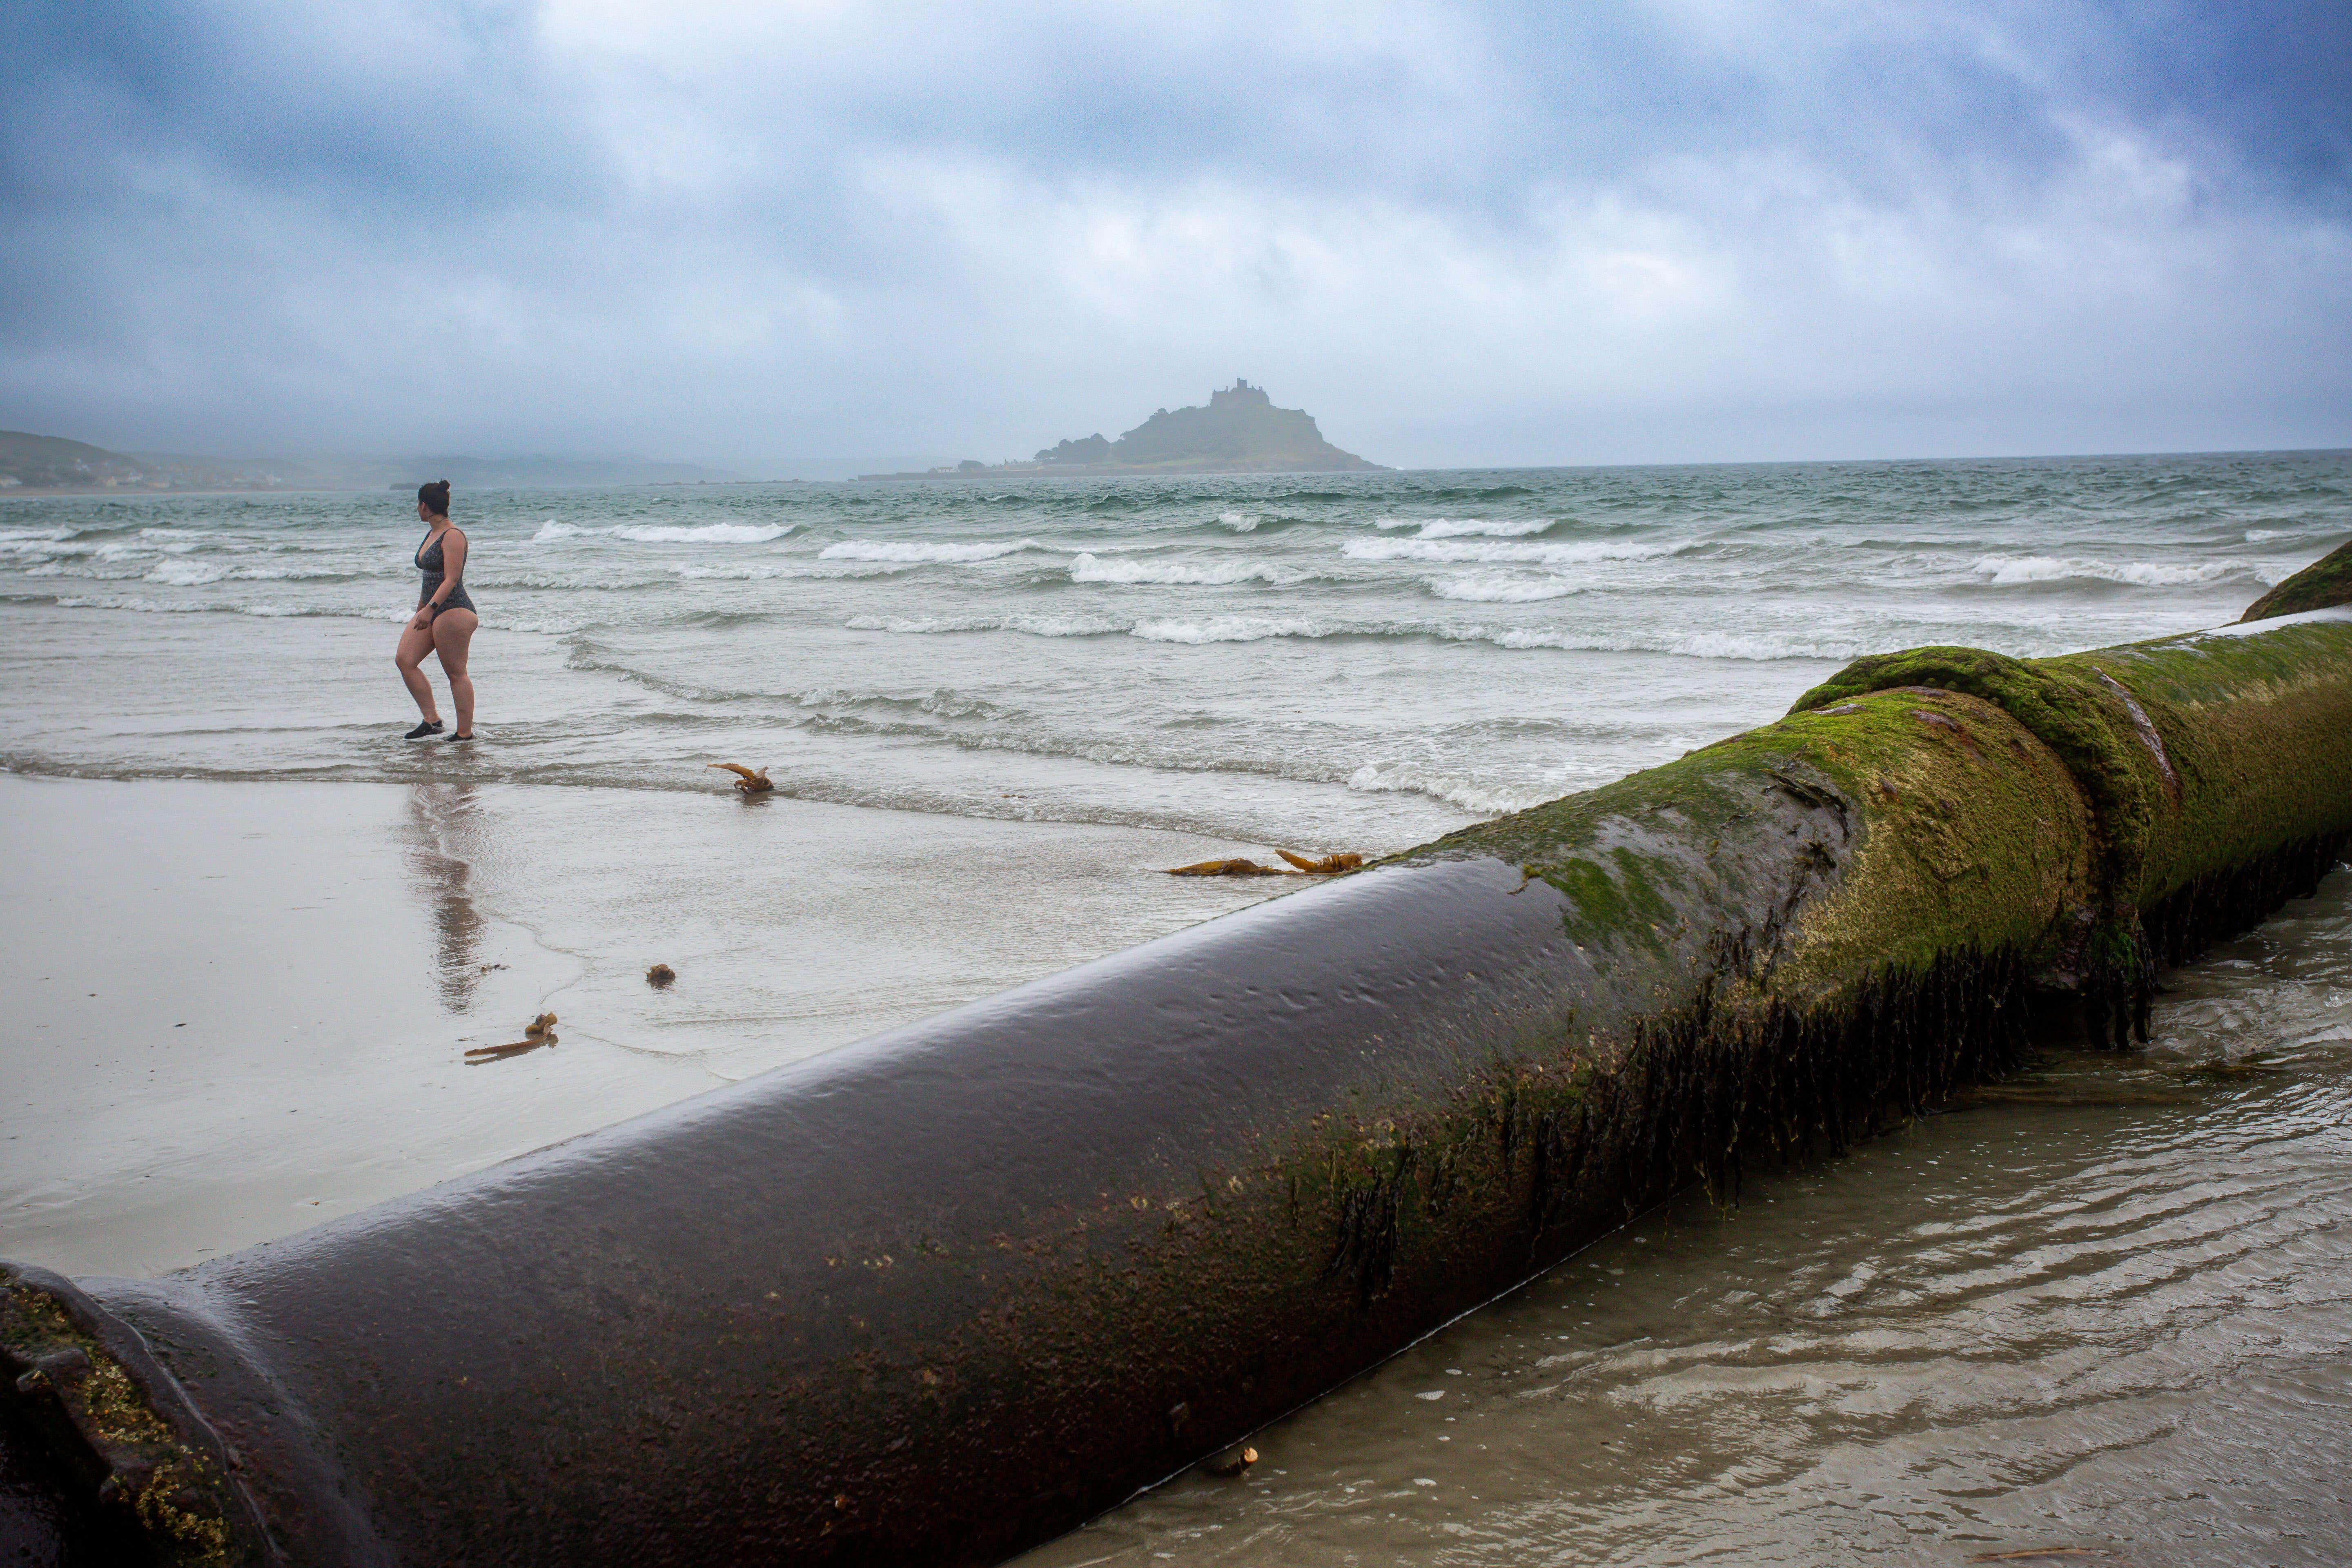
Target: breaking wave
918	551
1086	568
1498	587
1560	554
1461	527
2011	571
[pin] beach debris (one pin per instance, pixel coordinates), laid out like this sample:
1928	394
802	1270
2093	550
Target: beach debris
1236	868
1232	1464
748	781
537	1029
660	976
481	1054
1329	866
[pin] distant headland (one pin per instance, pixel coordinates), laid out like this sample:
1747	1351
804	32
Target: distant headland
1240	432
31	463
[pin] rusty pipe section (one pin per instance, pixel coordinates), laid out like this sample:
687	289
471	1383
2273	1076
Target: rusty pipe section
939	1295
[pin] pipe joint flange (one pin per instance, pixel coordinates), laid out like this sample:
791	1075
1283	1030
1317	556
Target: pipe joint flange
118	1427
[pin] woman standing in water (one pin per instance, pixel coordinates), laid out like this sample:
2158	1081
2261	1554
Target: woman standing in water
445	620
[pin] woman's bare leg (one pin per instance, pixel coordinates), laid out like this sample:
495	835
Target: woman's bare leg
453	634
413	645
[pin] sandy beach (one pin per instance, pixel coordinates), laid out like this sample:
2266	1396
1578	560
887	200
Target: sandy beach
242	1008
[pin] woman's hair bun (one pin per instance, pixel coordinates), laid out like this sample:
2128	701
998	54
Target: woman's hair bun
435	496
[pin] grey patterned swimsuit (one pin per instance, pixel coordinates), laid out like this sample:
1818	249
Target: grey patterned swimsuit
429	561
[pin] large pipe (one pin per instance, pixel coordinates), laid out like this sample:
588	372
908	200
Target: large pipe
939	1295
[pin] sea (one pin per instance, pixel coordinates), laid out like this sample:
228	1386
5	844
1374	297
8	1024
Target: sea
2103	1309
1361	660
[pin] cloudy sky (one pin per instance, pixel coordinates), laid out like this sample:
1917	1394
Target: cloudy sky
753	231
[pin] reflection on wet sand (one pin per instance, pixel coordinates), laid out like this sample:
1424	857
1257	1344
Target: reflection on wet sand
439	815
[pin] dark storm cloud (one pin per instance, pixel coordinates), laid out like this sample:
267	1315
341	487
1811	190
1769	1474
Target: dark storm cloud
1458	232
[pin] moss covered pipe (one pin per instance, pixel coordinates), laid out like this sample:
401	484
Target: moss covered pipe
937	1296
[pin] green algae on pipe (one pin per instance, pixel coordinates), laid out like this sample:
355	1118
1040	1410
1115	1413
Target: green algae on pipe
2198	756
939	1295
2323	584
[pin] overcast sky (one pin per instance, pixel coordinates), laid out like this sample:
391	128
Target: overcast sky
1458	233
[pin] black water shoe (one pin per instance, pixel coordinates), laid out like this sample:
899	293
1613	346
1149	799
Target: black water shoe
448	739
430	727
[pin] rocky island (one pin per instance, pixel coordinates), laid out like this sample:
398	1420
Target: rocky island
1240	432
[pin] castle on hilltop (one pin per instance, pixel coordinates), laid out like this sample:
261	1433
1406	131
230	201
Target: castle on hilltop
1240	393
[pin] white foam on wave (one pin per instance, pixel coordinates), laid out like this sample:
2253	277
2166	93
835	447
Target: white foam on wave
764	571
1034	626
9	536
124	602
920	551
180	574
1225	629
1454	788
1239	521
702	532
1567	553
1463	527
1086	568
1498	587
290	574
551	531
2014	571
1762	647
1754	647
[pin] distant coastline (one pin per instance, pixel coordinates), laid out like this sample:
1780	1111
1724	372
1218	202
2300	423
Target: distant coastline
51	465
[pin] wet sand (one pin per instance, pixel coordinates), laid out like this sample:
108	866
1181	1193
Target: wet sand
238	1009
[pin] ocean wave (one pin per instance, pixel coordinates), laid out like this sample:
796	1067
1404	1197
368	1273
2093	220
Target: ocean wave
180	574
181	540
124	602
1454	788
2011	571
916	552
9	536
551	531
770	571
1463	527
1239	521
1498	587
1033	625
702	532
1225	629
51	548
1461	549
1204	629
1085	568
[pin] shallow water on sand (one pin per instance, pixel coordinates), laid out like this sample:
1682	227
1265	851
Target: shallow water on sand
2106	1306
1352	661
237	1010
